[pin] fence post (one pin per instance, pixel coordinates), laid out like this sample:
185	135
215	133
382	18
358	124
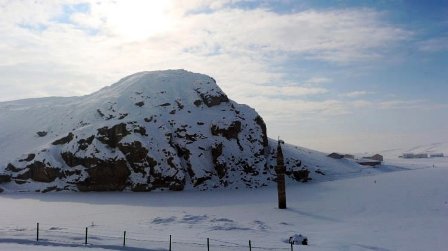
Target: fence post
37	232
208	244
85	242
250	245
124	238
292	248
170	242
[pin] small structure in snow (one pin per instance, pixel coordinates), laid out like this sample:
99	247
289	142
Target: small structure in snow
298	239
368	162
377	157
414	155
336	155
349	156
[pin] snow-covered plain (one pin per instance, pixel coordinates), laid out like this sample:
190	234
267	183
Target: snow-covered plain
405	209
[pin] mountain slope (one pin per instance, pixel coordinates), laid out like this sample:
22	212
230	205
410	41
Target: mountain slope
152	130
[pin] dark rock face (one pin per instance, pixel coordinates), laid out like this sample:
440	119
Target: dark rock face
105	175
39	171
111	136
260	122
231	132
64	140
85	143
301	175
30	157
4	178
137	156
211	100
220	167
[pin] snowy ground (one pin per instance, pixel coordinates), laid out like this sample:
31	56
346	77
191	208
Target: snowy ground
400	210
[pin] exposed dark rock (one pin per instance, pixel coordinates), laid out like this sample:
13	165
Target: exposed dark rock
100	113
64	140
105	175
319	172
29	158
83	144
4	178
42	133
49	189
111	136
259	120
301	175
221	168
40	172
199	181
12	168
141	130
165	104
140	104
180	106
20	182
141	188
123	115
197	102
159	182
230	132
211	100
137	156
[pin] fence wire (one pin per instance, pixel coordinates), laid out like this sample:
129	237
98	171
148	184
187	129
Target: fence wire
75	236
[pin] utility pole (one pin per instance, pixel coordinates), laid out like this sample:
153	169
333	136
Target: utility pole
280	171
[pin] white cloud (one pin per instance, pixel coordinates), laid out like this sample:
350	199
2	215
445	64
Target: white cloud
318	80
355	94
238	47
434	44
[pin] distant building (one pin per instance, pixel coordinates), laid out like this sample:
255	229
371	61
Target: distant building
377	157
407	155
368	162
415	155
436	155
349	156
335	155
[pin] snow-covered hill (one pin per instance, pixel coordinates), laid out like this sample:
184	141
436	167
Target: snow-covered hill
159	130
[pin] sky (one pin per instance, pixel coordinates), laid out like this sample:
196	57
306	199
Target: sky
335	75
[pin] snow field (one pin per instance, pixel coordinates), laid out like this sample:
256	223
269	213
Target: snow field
402	210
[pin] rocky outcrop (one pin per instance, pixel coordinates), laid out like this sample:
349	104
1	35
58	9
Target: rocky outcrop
41	172
150	131
111	136
64	140
4	178
229	132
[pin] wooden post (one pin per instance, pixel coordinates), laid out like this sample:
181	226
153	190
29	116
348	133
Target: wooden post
170	242
208	244
85	242
37	232
250	245
124	238
280	171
